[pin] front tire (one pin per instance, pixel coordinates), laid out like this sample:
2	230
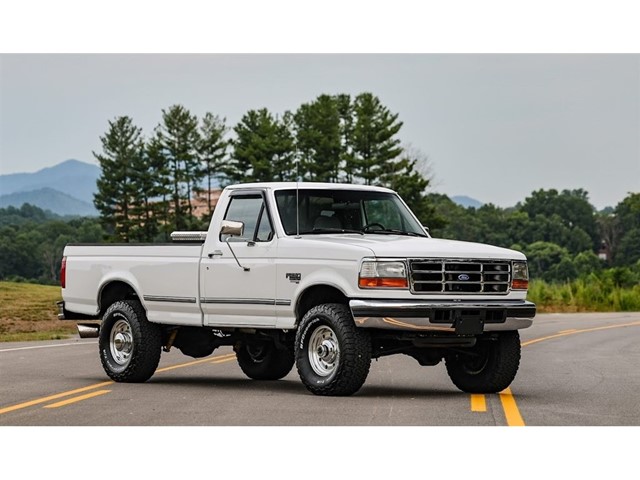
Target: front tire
333	356
489	367
263	361
130	346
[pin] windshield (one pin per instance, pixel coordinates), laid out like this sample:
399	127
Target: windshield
347	211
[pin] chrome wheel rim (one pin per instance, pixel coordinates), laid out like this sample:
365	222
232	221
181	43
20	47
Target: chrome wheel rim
121	342
324	351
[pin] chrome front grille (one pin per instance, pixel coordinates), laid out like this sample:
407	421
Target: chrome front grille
435	276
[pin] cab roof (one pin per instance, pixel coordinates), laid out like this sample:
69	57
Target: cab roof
307	185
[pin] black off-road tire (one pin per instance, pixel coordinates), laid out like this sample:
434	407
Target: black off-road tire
492	369
140	342
349	368
263	361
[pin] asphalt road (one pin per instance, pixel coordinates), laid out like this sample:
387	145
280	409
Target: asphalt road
576	369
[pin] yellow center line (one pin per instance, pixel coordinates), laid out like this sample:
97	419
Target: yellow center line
196	362
223	359
514	419
68	393
37	401
573	332
478	402
77	399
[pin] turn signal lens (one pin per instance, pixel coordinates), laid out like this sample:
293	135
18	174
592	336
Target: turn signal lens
383	282
519	284
383	275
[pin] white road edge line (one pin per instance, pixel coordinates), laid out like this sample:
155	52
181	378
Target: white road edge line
47	346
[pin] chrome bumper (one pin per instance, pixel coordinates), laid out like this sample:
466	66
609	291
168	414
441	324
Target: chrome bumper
443	315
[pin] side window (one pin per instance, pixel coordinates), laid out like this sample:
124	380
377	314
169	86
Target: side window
251	211
265	232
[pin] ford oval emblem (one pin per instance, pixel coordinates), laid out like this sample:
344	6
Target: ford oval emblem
463	277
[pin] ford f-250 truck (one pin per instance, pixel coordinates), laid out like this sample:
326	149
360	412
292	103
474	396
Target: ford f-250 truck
323	276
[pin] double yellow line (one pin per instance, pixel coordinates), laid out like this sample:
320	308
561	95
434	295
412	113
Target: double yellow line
70	393
509	405
507	399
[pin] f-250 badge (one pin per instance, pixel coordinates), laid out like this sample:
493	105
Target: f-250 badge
294	277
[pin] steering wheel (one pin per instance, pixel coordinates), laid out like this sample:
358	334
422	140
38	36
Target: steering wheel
369	225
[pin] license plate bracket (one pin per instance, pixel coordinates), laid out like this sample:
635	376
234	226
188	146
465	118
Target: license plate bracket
468	324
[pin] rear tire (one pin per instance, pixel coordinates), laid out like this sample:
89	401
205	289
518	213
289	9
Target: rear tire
130	346
333	356
490	366
263	361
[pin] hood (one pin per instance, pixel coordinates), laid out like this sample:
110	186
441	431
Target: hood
414	247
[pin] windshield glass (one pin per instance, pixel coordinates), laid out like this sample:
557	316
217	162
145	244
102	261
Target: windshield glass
348	211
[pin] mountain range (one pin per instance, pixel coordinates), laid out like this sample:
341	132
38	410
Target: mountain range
68	189
64	189
466	202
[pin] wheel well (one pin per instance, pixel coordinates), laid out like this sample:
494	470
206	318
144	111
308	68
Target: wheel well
113	292
317	295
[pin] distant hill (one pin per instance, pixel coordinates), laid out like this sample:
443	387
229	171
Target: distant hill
466	202
64	189
72	177
49	199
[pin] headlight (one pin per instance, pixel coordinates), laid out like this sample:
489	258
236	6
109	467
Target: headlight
383	275
520	276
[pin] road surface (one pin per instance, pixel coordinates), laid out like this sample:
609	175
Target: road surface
576	369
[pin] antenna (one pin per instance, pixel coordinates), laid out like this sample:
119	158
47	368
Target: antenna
297	198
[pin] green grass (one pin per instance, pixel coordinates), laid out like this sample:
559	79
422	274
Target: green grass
590	294
29	312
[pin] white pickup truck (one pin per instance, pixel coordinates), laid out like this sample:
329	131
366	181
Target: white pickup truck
323	276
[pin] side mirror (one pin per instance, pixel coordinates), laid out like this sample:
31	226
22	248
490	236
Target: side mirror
234	229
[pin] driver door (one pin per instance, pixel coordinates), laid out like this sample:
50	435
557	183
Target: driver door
231	295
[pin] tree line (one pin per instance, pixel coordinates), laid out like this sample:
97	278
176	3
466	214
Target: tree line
561	233
147	184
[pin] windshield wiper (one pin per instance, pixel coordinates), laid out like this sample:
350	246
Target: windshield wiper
331	230
390	231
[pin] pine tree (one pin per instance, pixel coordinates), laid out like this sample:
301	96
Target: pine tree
318	138
122	147
345	111
212	152
151	184
373	138
178	139
263	150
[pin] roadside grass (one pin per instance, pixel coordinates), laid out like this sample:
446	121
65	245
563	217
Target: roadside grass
589	294
29	312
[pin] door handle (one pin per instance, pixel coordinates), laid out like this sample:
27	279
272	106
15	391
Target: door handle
215	253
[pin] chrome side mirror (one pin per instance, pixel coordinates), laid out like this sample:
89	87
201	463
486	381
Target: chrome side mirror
234	229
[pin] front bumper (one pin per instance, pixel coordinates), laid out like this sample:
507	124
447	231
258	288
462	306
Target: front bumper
460	317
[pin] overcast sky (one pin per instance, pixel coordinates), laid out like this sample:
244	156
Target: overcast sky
494	127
